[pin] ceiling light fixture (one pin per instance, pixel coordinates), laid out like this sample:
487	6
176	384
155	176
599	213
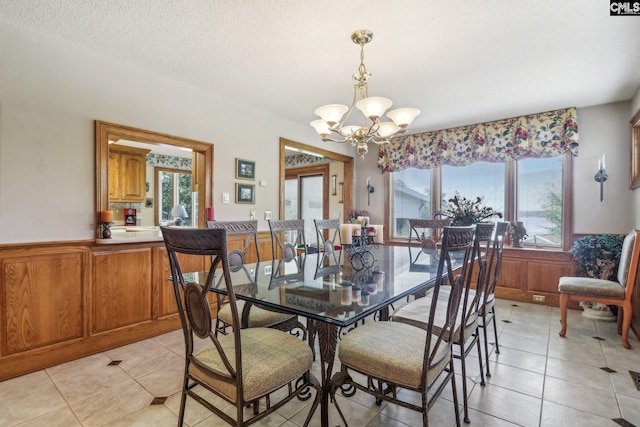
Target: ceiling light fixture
333	119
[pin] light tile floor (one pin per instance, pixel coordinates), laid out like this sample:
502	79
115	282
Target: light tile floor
538	379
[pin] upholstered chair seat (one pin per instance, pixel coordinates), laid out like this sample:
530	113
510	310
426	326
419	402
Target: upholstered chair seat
258	318
394	348
270	358
417	314
591	286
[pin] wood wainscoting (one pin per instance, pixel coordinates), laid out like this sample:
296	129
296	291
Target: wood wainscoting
60	301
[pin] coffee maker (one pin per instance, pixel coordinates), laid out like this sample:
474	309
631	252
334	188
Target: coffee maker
129	216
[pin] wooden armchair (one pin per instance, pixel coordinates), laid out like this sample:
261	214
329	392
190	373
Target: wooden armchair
606	292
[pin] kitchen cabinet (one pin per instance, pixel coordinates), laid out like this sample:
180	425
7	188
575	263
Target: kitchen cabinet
127	174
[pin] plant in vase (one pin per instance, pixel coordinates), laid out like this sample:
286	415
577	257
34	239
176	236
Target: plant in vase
353	214
463	211
597	257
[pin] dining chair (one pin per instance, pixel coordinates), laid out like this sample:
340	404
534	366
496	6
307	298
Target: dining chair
466	334
244	368
256	316
287	237
488	299
427	231
328	236
387	357
608	292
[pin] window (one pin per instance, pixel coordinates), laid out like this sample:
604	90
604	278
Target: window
539	191
481	179
411	193
531	190
174	188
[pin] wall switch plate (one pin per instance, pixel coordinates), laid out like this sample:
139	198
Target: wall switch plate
252	214
263	183
267	270
267	215
538	298
225	198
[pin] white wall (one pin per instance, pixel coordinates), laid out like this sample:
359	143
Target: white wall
603	129
51	93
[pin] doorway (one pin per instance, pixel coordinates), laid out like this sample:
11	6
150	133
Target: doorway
306	196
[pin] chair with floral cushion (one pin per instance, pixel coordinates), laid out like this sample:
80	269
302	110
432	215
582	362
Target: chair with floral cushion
606	292
261	368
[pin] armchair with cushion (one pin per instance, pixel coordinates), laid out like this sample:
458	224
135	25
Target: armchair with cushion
606	292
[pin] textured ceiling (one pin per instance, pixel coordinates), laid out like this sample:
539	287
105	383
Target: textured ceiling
460	62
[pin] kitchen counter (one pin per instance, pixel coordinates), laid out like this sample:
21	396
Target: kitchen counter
136	234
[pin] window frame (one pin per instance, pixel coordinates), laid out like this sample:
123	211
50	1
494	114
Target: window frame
510	200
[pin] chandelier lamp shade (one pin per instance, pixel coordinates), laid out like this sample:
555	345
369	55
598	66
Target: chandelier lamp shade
333	127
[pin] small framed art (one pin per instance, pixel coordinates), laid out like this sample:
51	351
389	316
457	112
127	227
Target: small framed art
245	193
245	169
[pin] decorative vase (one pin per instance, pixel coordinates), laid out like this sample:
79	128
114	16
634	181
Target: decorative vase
596	311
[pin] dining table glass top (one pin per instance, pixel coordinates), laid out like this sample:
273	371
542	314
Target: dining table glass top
338	288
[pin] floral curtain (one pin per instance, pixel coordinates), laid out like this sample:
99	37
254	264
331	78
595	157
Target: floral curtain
537	135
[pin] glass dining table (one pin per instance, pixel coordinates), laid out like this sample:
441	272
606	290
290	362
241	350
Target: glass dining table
334	291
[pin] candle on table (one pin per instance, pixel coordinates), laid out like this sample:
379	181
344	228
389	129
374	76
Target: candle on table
106	216
378	276
378	237
346	234
356	229
210	214
345	299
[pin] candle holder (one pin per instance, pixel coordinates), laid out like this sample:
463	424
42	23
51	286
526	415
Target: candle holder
106	229
601	177
362	242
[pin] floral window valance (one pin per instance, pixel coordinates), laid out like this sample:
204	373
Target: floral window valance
537	135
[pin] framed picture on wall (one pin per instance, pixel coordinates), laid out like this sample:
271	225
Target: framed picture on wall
245	193
245	169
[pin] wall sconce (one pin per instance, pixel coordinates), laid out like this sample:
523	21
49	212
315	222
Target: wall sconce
370	190
601	175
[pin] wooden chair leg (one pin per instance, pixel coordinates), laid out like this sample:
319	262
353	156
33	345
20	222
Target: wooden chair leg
564	301
619	320
627	313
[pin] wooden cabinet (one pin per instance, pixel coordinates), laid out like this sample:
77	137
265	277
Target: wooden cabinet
127	174
121	291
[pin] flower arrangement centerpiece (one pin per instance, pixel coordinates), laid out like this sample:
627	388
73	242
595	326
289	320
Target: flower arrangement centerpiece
353	214
463	211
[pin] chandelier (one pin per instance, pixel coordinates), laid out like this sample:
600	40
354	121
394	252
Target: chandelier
332	123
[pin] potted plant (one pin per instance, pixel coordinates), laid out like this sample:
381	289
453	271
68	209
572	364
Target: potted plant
597	257
463	211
